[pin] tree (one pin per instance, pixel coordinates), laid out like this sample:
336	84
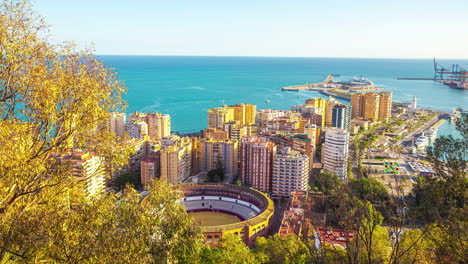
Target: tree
283	250
369	189
217	174
441	199
233	250
127	178
326	182
371	243
54	98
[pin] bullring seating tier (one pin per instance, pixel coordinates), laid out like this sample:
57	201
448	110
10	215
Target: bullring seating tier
212	203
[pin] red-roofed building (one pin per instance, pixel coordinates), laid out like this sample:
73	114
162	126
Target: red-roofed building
334	237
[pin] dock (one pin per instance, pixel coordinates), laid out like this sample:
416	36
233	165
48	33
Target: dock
326	84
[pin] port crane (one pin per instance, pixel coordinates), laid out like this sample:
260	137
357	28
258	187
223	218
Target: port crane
456	77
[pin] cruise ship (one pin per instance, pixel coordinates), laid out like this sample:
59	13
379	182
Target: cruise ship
358	82
454	115
431	134
421	142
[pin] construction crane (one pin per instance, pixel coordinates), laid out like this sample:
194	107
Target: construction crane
439	71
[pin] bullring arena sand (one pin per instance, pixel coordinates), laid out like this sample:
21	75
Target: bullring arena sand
214	218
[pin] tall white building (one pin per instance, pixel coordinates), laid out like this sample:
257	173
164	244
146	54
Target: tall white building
335	152
290	173
413	105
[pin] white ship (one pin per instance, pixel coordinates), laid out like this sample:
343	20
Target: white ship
421	142
454	115
355	81
431	134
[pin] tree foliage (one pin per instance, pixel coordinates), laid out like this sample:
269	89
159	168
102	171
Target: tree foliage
54	98
326	182
127	178
283	250
217	174
369	189
233	250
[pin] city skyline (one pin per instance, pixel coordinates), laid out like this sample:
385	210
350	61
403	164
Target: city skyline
362	29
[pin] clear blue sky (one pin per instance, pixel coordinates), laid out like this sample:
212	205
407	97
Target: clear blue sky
299	28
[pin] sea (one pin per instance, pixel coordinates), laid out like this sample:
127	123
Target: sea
185	87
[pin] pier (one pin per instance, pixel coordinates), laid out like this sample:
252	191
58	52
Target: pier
326	84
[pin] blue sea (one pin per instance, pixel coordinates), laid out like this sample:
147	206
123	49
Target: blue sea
185	87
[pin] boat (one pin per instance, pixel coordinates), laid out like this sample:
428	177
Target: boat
454	115
421	142
431	134
358	82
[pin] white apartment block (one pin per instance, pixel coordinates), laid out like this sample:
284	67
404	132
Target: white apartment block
335	152
290	173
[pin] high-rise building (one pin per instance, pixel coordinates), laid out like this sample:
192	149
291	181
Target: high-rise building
297	142
176	161
413	105
356	105
220	115
256	162
335	152
313	132
150	169
385	105
88	169
341	116
137	129
370	106
244	113
159	125
210	151
321	105
236	131
290	173
116	123
329	105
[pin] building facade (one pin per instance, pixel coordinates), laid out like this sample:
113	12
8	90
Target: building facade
385	105
88	169
150	169
159	125
176	161
116	123
290	173
210	151
256	162
341	116
137	129
335	152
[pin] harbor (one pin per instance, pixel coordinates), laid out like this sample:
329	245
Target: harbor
326	84
455	76
341	90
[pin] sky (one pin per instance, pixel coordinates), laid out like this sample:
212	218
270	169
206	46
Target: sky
278	28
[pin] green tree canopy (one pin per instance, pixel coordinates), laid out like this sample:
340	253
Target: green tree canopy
369	189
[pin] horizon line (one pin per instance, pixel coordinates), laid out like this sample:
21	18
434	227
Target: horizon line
261	56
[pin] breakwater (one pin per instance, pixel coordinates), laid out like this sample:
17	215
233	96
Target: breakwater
326	84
